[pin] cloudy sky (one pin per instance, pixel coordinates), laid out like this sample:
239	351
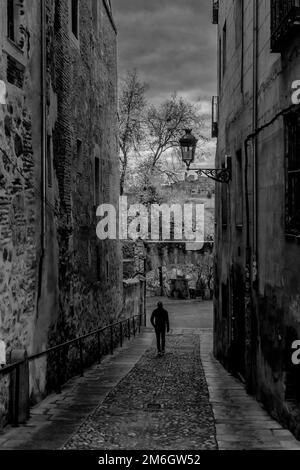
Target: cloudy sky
172	43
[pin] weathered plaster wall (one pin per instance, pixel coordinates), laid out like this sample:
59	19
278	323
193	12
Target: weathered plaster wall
275	309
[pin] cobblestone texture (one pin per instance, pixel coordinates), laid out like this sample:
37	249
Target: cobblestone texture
177	383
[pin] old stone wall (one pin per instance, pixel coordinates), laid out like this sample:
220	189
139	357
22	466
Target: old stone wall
20	167
57	280
177	260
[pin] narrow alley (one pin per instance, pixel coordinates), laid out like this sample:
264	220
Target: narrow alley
135	400
149	230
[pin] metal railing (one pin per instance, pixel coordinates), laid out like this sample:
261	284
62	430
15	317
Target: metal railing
110	337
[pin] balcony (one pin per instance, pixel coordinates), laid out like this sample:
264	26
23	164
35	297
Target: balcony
215	116
215	12
285	23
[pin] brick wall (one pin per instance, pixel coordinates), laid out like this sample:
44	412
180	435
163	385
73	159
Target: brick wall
83	114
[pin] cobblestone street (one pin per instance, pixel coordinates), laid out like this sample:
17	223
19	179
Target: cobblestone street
136	400
162	404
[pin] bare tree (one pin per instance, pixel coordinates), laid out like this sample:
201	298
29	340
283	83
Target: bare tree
149	138
158	154
165	125
132	104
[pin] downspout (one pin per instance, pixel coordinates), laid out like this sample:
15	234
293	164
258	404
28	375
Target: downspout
248	278
43	149
44	130
145	292
251	239
254	129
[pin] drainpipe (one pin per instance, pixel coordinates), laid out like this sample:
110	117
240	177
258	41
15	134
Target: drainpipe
44	130
251	238
254	129
145	292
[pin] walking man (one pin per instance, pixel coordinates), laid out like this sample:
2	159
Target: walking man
160	322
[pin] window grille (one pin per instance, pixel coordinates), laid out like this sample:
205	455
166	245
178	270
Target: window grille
292	148
285	22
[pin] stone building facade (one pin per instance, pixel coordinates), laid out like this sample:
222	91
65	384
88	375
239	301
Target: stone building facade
257	296
58	162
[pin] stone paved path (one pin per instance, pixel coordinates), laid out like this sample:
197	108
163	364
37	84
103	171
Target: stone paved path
241	422
201	405
161	404
56	418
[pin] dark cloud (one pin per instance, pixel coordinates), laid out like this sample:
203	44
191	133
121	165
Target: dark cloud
171	42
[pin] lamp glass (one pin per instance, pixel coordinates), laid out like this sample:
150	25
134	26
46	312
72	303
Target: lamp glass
187	154
188	145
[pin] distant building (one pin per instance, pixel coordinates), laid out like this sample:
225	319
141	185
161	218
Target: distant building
58	161
257	297
194	186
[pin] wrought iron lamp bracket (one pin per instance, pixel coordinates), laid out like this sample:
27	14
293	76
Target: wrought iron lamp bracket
220	175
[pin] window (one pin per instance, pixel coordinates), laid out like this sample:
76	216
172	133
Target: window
215	13
97	181
292	150
15	72
224	48
239	188
11	19
285	23
14	12
75	18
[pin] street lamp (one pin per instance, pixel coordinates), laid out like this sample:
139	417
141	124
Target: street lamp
188	144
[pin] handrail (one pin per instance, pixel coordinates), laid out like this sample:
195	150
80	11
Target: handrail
16	366
9	368
75	340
